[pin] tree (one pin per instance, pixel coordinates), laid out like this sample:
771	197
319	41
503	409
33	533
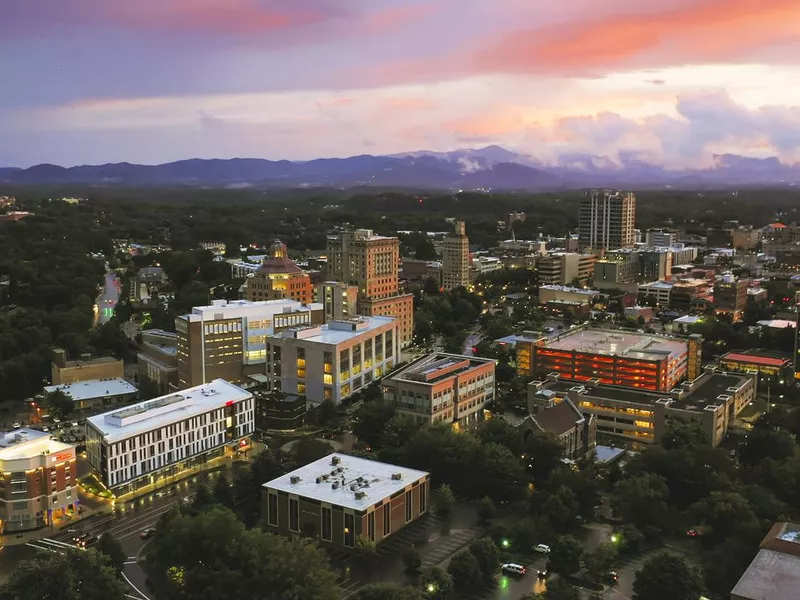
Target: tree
544	453
430	287
307	450
366	547
684	435
642	500
387	591
327	412
560	589
223	494
723	513
465	571
565	555
72	576
667	576
110	546
412	561
212	555
370	420
436	584
599	560
486	510
444	500
762	443
60	404
485	552
203	498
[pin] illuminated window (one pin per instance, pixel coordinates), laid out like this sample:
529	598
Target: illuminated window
327	378
301	373
301	388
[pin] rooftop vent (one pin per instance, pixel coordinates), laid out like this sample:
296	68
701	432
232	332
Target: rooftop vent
294	479
397	476
360	495
335	485
335	460
319	479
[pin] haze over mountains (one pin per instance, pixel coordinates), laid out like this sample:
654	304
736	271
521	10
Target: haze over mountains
490	168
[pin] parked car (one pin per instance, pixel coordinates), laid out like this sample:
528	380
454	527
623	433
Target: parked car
611	577
146	534
513	569
17	425
543	548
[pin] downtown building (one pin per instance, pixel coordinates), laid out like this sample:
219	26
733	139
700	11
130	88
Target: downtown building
455	259
606	220
38	480
340	498
228	340
278	278
334	360
371	263
149	444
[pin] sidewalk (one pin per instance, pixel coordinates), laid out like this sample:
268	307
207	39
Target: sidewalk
23	537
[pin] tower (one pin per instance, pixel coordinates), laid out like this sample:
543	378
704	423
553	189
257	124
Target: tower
455	258
606	220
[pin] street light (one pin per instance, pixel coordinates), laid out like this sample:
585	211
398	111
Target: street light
505	543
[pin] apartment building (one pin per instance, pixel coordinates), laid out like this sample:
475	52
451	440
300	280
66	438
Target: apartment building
160	440
339	300
713	399
38	480
340	498
606	220
455	258
334	360
443	388
228	340
564	268
84	369
278	278
371	263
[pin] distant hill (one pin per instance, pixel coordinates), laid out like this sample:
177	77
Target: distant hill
491	168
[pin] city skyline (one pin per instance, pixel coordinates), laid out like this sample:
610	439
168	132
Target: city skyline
96	82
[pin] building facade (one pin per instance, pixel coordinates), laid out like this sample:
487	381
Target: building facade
96	392
660	237
279	278
399	307
606	220
455	258
84	369
332	361
557	415
341	498
443	388
155	442
38	480
339	300
158	360
565	268
228	340
730	296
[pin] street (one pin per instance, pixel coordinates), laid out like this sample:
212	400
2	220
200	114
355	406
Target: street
107	301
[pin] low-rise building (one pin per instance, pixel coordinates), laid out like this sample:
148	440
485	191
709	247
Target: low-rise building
276	410
278	278
537	246
341	498
399	307
38	480
85	369
774	574
562	293
158	359
763	362
334	360
442	388
557	415
563	268
415	272
96	392
152	443
485	264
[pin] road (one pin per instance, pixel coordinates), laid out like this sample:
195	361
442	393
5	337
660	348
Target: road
474	337
107	301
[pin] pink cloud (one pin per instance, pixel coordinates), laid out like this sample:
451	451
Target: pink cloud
398	16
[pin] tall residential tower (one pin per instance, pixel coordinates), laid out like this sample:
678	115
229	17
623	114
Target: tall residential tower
606	220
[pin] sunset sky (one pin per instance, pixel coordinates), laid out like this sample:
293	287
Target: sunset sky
150	81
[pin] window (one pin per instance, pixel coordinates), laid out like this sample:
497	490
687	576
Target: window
387	518
20	505
349	530
371	525
327	525
272	509
327	379
423	498
294	514
301	388
408	506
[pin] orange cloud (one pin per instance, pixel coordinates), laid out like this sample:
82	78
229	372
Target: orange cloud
707	30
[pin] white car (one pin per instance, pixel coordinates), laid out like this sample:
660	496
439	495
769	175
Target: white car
17	425
513	569
543	548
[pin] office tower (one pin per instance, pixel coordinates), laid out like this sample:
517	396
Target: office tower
455	258
372	263
606	219
278	278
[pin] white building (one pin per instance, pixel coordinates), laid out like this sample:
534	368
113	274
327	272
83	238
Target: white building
538	246
335	360
96	392
148	442
657	292
486	264
658	237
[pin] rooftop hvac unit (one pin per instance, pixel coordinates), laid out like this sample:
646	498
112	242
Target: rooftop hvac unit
335	485
335	460
360	495
353	487
397	476
294	479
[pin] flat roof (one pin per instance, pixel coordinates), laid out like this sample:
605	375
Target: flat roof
610	392
439	366
329	334
606	454
777	323
26	443
144	416
619	343
373	478
94	388
771	576
513	339
755	359
234	309
708	388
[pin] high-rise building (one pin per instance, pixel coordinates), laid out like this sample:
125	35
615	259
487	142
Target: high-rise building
371	263
730	295
278	278
455	258
606	220
227	340
339	300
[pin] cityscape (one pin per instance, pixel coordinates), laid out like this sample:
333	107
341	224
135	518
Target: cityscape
400	300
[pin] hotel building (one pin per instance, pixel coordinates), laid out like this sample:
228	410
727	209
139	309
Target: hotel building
332	361
38	480
146	443
443	388
227	340
340	498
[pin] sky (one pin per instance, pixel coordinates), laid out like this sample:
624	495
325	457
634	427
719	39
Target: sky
667	81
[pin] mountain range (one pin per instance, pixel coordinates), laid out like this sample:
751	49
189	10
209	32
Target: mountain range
490	168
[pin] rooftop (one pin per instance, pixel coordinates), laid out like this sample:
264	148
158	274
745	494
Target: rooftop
573	290
756	358
619	343
774	573
513	339
558	419
26	443
777	323
94	388
437	367
347	481
336	332
609	392
153	414
707	389
233	309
